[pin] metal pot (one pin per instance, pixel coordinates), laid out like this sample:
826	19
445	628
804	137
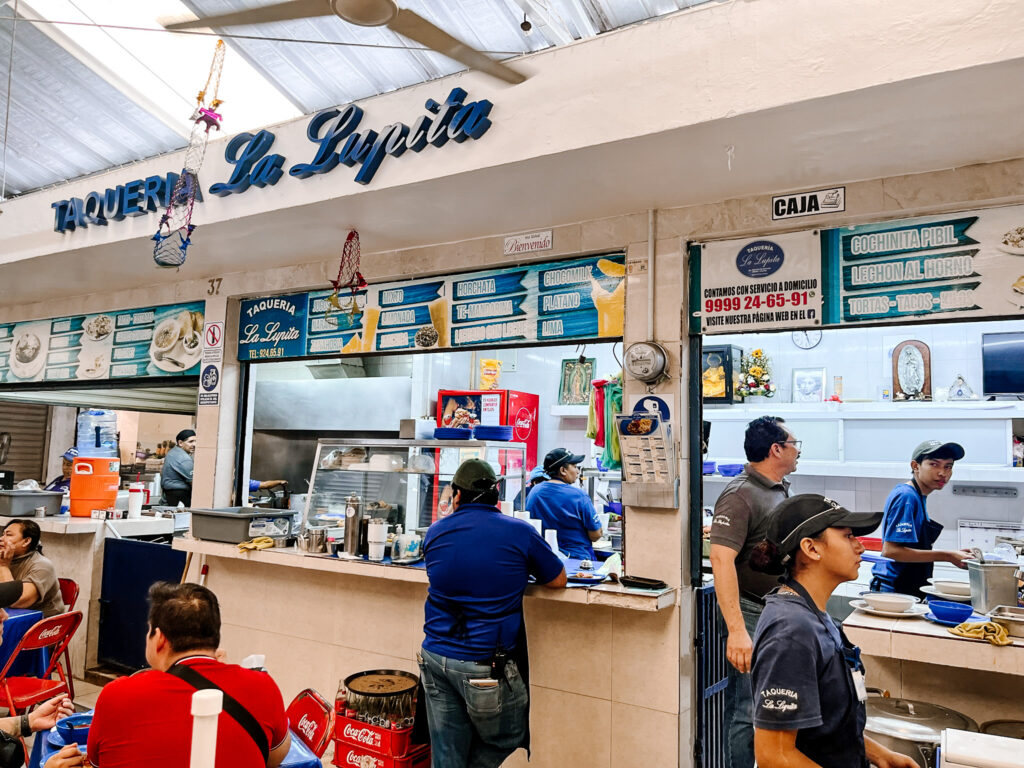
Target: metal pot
1011	729
912	728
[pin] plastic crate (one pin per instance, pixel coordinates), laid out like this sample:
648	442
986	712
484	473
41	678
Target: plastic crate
24	503
384	741
233	525
347	755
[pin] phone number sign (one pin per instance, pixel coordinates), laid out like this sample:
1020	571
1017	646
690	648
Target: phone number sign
760	284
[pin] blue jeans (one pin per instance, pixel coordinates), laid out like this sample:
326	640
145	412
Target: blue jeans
739	699
472	725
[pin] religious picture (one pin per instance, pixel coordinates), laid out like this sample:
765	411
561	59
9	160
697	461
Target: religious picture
808	385
576	378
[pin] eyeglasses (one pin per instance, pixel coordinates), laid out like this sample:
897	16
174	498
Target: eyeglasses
795	443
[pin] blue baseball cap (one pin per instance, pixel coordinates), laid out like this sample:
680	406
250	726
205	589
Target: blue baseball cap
538	473
71	453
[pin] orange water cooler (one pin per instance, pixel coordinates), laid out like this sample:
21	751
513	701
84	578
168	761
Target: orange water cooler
94	484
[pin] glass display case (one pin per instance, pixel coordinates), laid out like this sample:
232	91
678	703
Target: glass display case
405	482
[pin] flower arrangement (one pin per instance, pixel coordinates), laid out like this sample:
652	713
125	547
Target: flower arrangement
756	375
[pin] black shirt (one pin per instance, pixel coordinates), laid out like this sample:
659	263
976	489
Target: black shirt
801	682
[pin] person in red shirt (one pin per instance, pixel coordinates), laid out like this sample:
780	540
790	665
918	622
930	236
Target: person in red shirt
145	719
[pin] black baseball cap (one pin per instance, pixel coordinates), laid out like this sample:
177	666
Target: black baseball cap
936	449
560	457
808	514
475	475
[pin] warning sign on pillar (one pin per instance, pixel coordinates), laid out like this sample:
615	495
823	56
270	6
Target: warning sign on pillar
213	343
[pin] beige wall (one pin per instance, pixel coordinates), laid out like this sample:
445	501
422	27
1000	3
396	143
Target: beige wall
612	686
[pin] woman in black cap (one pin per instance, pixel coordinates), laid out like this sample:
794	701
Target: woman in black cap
908	533
176	475
807	678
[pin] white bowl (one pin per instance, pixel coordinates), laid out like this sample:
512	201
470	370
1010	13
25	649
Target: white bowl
950	587
889	601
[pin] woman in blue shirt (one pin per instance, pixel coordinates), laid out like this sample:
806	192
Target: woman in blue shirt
563	506
807	678
63	483
908	533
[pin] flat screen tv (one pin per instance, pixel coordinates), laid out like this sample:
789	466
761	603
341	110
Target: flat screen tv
1002	363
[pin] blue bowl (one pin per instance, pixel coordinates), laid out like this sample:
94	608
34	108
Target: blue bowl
452	433
729	470
949	611
75	729
709	467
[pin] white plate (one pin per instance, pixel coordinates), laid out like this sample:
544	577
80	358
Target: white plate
179	353
92	328
32	368
931	590
915	610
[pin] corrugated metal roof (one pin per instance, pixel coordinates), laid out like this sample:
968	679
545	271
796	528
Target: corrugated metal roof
69	117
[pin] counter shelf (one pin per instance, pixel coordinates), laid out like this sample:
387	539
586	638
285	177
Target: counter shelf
929	643
410	477
613	595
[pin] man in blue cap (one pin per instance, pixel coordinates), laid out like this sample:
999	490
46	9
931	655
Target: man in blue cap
474	661
63	483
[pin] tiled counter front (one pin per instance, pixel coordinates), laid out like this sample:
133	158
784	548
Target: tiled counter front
915	659
604	679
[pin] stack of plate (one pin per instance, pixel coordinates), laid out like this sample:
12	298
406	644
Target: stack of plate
948	589
452	433
495	432
890	605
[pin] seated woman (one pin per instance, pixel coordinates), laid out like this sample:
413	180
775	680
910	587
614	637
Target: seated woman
807	677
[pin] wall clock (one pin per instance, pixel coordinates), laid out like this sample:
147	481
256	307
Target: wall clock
806	339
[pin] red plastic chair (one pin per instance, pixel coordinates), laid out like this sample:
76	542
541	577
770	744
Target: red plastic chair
312	720
69	595
23	693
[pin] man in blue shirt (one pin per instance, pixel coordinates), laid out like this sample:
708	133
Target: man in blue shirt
908	533
562	506
63	483
474	661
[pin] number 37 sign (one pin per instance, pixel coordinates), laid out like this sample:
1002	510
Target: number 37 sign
760	284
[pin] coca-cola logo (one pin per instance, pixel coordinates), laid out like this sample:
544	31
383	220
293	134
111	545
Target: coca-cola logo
366	736
363	761
523	424
307	727
46	634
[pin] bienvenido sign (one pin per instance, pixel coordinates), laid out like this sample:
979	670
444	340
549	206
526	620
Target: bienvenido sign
338	141
529	243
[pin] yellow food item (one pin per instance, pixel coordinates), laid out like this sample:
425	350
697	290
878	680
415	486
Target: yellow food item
611	268
713	382
490	372
370	317
355	344
610	305
439	318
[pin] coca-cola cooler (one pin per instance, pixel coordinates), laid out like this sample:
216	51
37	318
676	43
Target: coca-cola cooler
467	408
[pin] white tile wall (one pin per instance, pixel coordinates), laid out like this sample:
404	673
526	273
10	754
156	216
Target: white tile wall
862	356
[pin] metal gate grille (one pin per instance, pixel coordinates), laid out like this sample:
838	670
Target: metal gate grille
709	747
27	425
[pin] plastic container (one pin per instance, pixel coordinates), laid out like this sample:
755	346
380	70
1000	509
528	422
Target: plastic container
729	470
94	484
379	741
347	755
871	544
97	433
233	525
948	611
24	503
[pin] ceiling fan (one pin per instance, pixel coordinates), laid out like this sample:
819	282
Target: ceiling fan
364	13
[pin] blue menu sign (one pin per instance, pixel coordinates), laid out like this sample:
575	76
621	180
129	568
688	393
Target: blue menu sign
568	300
121	344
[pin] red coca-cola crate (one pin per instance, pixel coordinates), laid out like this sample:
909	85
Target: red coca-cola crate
383	741
347	755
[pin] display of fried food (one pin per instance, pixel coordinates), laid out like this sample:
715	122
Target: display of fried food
639	426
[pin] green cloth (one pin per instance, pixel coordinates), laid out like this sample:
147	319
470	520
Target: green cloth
612	456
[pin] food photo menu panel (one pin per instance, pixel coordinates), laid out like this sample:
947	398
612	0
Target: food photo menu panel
131	343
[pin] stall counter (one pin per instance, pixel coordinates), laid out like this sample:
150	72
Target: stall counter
75	546
921	661
614	595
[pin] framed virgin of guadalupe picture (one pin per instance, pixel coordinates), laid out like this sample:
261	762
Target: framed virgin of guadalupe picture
575	382
912	371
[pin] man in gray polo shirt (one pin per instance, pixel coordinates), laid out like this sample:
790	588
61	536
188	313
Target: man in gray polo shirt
740	522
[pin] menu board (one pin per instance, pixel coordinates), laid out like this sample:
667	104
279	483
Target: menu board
759	284
964	265
646	455
565	300
131	343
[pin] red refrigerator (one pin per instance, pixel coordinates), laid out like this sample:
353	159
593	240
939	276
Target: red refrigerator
465	408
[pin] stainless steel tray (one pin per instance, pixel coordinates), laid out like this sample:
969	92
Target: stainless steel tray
1011	617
